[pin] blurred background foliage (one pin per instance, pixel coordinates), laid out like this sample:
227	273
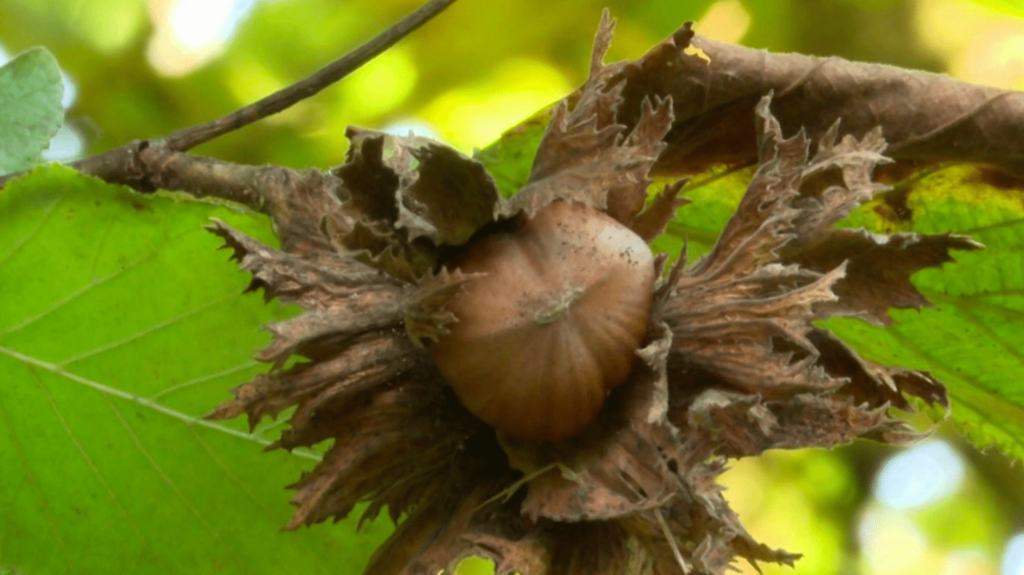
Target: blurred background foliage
141	68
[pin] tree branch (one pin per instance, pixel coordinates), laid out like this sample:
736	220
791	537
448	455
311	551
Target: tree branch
188	138
122	165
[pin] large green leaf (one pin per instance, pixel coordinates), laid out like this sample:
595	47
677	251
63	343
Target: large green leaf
30	110
120	324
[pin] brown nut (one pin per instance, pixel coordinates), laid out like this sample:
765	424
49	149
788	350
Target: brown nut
553	325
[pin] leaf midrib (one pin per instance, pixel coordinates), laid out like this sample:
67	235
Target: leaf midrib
143	401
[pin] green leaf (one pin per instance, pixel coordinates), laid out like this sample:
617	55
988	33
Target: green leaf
120	325
972	340
30	109
510	158
714	196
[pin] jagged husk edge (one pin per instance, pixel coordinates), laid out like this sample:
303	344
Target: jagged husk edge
732	364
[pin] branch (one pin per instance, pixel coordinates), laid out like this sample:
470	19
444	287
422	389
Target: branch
123	165
188	138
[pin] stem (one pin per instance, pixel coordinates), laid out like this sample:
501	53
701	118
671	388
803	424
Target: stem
188	138
122	165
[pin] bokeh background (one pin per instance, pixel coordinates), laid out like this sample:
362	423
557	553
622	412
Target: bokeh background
141	68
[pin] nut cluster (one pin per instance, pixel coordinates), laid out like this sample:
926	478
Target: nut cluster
522	379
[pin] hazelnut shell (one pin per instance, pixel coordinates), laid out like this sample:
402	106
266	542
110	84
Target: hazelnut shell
552	325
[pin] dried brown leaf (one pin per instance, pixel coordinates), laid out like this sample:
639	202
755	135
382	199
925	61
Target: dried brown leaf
296	201
879	268
426	317
302	383
585	155
744	425
873	384
594	548
420	186
620	464
369	183
441	534
925	117
779	265
697	532
309	330
652	222
325	281
379	245
392	447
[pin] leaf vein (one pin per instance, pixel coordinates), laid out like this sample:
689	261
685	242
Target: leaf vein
249	494
82	452
35	230
932	360
156	467
99	249
992	227
147	331
143	401
992	334
30	475
87	287
972	301
198	380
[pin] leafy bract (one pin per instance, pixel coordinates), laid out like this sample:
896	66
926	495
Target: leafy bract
971	339
120	325
30	109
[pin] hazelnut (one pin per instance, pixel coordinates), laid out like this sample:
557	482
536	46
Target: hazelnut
552	325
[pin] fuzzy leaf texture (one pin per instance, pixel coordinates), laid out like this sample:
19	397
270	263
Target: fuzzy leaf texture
120	325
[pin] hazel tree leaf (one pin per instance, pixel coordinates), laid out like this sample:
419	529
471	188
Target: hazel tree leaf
971	340
30	108
509	159
121	324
